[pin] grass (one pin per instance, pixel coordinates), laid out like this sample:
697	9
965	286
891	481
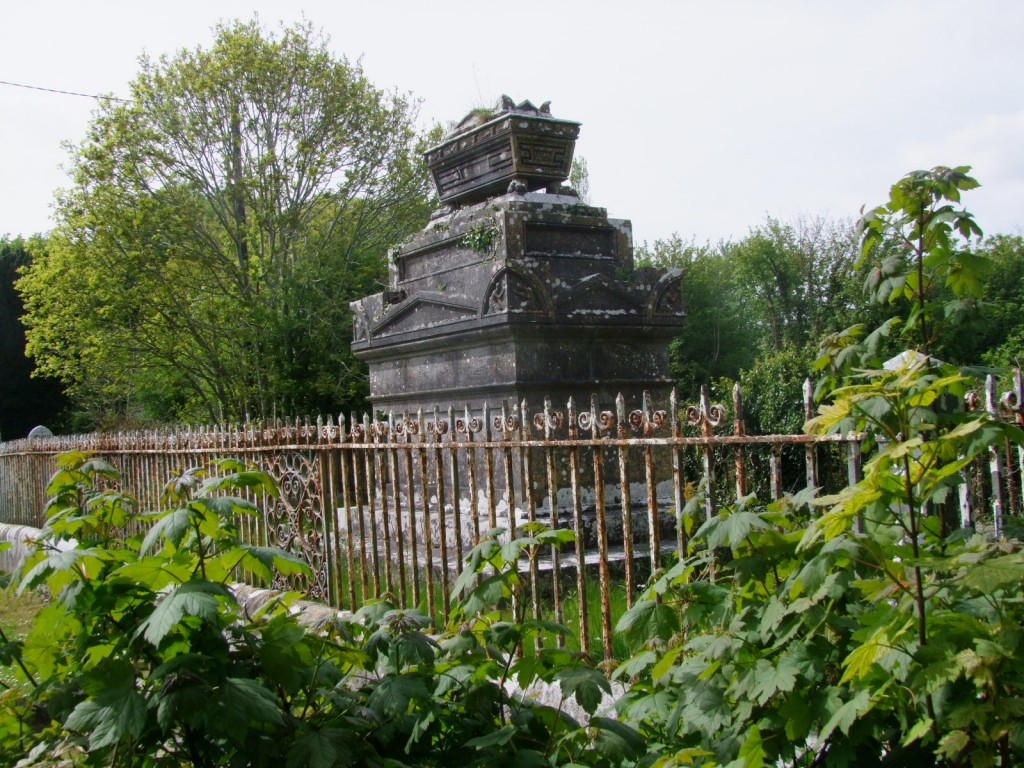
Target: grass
17	612
570	606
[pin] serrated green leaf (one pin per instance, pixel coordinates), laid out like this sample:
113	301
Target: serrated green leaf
844	717
995	572
193	598
324	748
585	684
392	695
173	526
497	738
617	741
647	619
115	710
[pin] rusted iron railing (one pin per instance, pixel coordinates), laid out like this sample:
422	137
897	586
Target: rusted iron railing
390	506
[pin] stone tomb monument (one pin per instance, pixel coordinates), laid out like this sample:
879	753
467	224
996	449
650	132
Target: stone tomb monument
516	289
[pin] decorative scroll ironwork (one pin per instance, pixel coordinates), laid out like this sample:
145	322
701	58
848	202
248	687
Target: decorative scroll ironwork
295	521
604	422
647	423
506	424
705	414
470	426
548	419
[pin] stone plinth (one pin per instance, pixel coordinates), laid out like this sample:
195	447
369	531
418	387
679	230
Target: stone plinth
521	296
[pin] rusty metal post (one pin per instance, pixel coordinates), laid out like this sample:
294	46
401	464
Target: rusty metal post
649	423
408	430
526	475
470	426
428	541
577	517
995	461
396	490
381	434
601	524
358	456
550	420
739	429
492	512
345	454
811	452
627	506
438	428
453	484
678	495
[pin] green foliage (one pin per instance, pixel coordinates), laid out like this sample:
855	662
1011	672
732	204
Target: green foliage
579	178
858	628
921	220
144	657
481	238
217	226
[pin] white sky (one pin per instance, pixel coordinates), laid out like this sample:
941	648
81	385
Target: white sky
698	117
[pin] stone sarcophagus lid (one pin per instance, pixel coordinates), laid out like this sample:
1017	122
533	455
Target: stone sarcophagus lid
516	289
491	150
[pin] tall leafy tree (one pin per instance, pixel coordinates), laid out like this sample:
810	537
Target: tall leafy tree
218	223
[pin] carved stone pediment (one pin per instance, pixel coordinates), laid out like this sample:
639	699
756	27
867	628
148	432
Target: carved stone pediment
424	310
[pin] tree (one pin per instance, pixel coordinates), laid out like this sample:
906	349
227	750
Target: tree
719	338
24	402
217	225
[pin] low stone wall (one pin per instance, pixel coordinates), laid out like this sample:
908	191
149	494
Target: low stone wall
21	538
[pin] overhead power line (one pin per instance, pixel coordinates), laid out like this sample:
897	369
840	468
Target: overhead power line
65	93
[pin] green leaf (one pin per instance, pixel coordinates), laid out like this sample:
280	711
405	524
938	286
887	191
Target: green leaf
953	743
995	573
193	598
173	526
585	684
752	753
116	710
496	738
153	573
487	594
393	695
323	748
242	703
920	729
769	679
647	619
617	741
730	529
844	717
